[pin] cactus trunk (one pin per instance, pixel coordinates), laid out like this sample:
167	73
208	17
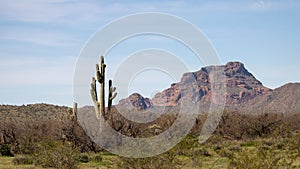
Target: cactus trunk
102	85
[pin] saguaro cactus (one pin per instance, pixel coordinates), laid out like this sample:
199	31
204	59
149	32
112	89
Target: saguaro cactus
74	111
99	103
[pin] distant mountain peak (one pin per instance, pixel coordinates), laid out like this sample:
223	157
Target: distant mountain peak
232	68
240	83
241	86
135	101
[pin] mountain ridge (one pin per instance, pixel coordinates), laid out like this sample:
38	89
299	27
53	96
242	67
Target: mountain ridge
244	92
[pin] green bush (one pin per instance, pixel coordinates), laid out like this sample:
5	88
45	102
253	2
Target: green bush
235	149
294	145
261	157
249	144
97	159
203	152
224	152
5	150
22	160
57	155
165	160
186	146
83	158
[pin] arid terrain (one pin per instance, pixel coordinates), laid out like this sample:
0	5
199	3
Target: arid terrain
259	128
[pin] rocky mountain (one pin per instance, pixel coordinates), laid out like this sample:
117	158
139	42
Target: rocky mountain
244	93
135	101
241	86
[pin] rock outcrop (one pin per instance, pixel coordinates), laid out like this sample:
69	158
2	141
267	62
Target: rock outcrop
135	101
244	92
240	86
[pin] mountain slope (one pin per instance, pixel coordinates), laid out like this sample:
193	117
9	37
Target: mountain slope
285	99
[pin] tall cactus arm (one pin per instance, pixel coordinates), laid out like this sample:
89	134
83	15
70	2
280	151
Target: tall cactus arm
94	90
111	94
94	97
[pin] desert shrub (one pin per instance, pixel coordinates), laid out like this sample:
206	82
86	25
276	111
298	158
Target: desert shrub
191	148
22	160
5	150
187	146
224	152
27	144
215	139
201	151
57	155
235	149
22	136
196	158
280	146
83	158
217	148
249	144
232	125
165	160
293	144
261	157
283	130
30	124
8	132
265	124
74	133
97	158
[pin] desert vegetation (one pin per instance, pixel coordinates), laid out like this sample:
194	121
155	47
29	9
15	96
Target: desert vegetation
240	141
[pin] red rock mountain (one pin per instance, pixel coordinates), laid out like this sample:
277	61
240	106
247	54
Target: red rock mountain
244	92
240	86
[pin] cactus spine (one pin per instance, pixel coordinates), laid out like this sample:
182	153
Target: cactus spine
99	103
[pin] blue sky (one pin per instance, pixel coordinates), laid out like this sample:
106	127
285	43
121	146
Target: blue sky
41	40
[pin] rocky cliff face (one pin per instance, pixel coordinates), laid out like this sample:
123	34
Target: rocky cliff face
240	86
